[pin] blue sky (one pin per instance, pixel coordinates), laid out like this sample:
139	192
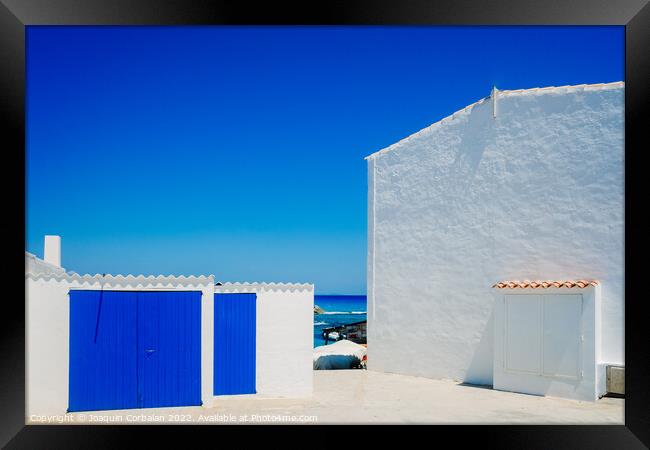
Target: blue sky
238	151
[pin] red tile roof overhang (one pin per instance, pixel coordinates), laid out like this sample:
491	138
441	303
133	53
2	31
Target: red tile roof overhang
544	284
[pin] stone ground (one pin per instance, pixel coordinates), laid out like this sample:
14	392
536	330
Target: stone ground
360	396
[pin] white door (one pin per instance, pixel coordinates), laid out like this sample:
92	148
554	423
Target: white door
542	334
522	333
561	335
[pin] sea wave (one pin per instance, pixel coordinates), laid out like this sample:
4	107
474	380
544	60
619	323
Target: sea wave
344	312
320	323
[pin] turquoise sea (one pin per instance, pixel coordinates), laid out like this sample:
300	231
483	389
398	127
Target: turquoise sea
339	310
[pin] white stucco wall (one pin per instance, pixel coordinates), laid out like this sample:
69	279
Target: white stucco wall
285	327
48	331
533	193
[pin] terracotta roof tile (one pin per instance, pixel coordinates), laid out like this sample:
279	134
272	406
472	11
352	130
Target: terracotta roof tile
543	284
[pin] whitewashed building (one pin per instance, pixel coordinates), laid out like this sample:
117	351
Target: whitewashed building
521	185
102	342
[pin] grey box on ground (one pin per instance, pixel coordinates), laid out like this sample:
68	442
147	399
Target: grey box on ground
615	380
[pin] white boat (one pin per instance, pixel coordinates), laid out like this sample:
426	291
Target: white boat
334	336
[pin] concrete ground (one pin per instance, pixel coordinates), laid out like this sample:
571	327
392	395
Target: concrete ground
361	396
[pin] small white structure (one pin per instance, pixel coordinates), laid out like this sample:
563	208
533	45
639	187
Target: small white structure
547	338
521	185
284	322
52	250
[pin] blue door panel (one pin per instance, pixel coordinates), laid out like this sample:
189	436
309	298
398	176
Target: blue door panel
103	332
169	344
234	344
134	349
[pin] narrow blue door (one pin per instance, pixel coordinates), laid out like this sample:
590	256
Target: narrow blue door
234	344
169	349
134	350
103	355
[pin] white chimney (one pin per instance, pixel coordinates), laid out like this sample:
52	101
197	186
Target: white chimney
52	252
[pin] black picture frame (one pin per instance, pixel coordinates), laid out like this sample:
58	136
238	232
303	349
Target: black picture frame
15	15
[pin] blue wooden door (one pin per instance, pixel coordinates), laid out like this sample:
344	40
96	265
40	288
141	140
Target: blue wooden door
134	349
234	344
103	354
169	349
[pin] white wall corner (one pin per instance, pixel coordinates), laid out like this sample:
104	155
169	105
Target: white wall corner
370	273
601	377
207	344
